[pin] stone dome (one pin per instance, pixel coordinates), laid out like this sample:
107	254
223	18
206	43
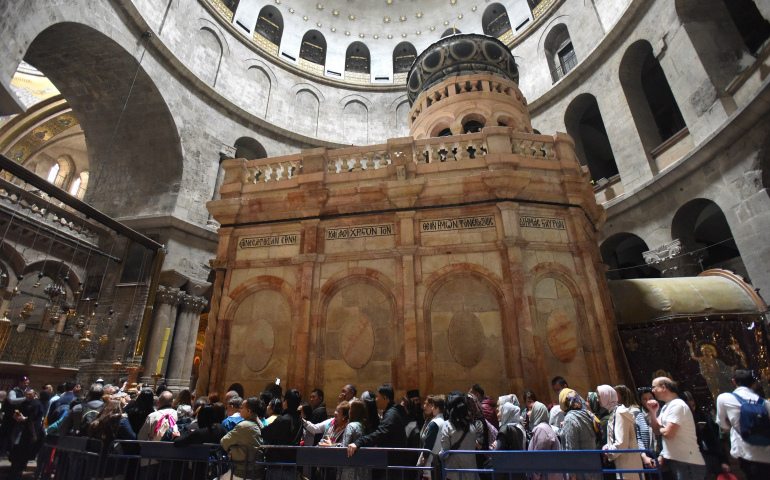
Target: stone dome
461	54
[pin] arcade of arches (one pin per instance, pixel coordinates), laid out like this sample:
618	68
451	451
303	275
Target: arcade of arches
408	192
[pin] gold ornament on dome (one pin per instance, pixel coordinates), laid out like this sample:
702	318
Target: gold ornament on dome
474	8
319	6
419	15
336	13
352	17
386	19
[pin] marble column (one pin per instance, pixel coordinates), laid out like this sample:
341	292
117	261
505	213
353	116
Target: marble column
166	302
207	355
183	346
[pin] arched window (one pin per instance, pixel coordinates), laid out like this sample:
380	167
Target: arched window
700	224
249	148
75	187
53	173
622	252
592	146
313	47
450	31
403	56
495	21
270	24
357	58
653	106
559	52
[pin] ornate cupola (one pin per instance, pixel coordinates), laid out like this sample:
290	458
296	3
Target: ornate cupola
463	83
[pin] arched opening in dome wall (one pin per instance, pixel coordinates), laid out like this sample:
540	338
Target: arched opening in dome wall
653	107
495	21
592	145
701	225
357	58
403	56
249	148
722	34
270	24
450	31
313	47
74	57
559	52
622	252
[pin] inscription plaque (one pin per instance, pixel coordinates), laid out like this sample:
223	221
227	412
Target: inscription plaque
359	232
463	223
269	241
542	222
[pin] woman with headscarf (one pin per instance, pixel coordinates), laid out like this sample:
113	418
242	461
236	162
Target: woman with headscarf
511	435
600	413
621	432
581	427
543	436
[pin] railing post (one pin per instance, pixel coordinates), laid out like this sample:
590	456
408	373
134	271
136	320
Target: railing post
498	139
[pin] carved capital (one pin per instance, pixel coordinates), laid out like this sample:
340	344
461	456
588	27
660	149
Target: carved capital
194	303
226	152
168	295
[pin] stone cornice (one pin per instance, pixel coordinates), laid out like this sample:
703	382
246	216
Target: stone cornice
169	296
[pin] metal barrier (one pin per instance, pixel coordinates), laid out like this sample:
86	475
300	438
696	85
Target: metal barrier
78	458
539	465
333	463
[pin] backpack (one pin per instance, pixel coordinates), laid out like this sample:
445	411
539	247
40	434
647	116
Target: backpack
88	417
58	412
754	421
165	422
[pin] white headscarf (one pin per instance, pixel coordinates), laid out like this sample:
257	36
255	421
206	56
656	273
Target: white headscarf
510	413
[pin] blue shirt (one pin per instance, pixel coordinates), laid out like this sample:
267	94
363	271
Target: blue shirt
230	422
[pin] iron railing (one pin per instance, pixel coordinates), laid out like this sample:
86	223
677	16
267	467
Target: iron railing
34	346
566	65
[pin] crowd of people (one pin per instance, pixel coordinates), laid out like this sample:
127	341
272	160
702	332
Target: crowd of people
684	439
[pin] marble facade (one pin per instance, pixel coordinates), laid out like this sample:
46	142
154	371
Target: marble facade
429	263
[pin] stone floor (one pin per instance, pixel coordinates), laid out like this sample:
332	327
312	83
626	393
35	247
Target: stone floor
5	467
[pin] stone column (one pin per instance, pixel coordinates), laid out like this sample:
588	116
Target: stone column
225	152
183	347
166	302
207	355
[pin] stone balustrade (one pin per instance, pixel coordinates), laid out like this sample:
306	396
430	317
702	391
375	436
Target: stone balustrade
387	161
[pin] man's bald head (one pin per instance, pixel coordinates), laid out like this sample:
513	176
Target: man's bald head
165	399
229	395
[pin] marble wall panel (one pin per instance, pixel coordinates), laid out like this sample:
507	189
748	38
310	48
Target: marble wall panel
359	337
466	334
259	341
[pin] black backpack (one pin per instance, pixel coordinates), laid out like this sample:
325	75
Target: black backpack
57	412
88	416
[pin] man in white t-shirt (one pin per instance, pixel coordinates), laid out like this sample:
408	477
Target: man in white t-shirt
755	460
677	426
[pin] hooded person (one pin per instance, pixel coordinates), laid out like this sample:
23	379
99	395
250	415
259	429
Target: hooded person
511	435
543	436
601	414
621	431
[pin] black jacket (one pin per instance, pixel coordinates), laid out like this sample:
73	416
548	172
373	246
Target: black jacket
390	433
285	430
319	416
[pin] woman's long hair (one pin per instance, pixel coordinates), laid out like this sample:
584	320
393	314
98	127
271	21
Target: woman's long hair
105	425
183	398
141	408
359	414
371	410
458	412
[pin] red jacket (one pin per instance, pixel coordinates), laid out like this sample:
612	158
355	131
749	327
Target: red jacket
488	407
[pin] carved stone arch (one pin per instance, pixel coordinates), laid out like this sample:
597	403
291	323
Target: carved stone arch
505	305
400	124
261	66
353	97
362	329
355	119
217	31
440	124
308	86
306	115
587	330
223	351
561	19
13	259
55	269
